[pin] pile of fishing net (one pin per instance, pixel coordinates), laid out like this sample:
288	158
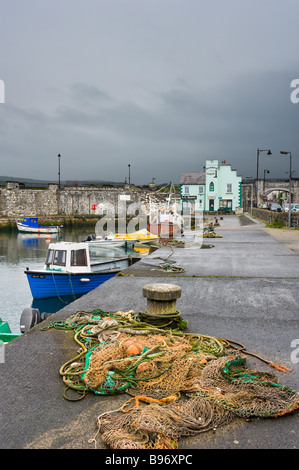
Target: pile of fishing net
181	384
195	243
210	233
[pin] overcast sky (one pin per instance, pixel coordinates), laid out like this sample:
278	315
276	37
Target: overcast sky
161	85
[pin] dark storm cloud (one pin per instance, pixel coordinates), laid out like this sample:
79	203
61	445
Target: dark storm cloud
182	130
162	85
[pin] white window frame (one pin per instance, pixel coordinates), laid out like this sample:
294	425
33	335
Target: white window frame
229	188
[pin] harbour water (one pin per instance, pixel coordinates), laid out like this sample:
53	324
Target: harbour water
18	251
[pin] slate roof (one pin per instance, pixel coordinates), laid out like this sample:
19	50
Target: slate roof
193	177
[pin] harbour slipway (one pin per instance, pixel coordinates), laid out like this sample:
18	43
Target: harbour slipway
245	288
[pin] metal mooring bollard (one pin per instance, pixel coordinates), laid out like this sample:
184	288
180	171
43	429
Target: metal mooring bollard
161	298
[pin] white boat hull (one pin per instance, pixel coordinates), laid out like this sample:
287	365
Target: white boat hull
27	229
106	243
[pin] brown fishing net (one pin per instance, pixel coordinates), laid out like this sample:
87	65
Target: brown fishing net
158	366
155	426
225	389
247	392
180	384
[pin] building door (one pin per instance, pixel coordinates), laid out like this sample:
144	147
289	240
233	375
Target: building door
211	204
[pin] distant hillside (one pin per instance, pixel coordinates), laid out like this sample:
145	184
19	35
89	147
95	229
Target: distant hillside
36	183
30	182
23	180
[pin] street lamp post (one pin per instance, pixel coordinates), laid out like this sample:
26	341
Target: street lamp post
257	170
290	185
251	198
59	156
265	171
129	173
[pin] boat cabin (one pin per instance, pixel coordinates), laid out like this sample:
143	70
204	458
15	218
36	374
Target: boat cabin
68	256
30	221
167	216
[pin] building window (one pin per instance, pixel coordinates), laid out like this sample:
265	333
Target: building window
225	204
229	188
200	190
186	189
211	186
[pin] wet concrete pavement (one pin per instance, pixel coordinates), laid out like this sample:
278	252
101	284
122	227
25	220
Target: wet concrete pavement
245	289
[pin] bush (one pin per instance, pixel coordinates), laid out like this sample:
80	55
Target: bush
276	224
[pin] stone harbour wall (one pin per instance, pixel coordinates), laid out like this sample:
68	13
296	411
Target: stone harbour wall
85	201
21	202
93	201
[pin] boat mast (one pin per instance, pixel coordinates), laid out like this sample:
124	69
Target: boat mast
170	186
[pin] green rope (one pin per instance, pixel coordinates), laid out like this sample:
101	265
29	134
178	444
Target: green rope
170	320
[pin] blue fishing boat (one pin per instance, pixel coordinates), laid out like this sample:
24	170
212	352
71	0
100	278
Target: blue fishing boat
30	224
68	270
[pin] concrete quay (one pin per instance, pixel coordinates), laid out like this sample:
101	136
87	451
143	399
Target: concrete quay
245	289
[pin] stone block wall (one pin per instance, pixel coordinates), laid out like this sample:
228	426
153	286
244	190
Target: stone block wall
93	201
269	216
21	202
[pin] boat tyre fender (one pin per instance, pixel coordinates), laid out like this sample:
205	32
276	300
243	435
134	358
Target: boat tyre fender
30	317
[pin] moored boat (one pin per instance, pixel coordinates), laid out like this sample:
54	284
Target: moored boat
140	236
109	241
5	333
30	224
69	270
166	224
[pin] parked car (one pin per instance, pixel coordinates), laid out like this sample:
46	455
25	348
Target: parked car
294	208
275	207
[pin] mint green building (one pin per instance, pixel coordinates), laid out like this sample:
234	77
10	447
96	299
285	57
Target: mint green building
192	192
223	187
218	188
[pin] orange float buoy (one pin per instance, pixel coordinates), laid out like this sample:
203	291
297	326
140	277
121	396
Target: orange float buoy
128	343
143	367
134	349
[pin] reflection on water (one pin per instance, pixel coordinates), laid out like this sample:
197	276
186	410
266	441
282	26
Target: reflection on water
18	251
53	304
